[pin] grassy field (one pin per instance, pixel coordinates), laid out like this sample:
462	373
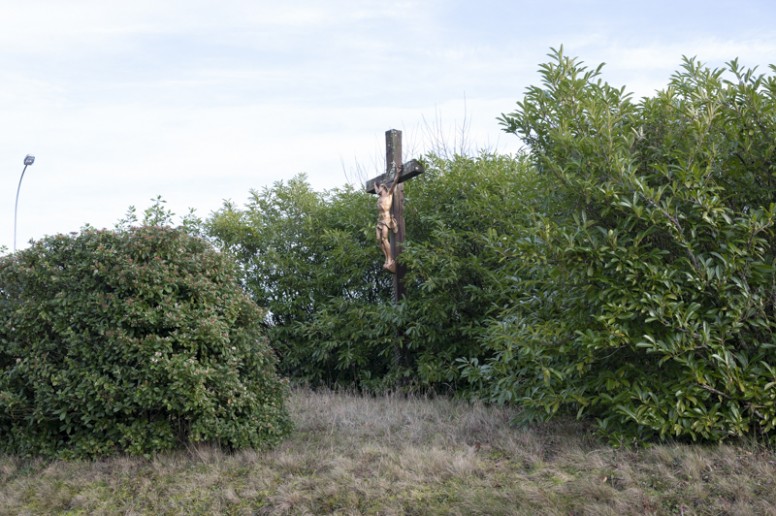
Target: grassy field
392	455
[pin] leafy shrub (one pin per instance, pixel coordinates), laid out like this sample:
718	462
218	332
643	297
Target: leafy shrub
131	341
458	214
646	298
311	258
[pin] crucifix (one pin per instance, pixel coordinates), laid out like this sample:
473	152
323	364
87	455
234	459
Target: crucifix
390	206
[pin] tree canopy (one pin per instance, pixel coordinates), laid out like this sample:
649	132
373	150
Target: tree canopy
648	300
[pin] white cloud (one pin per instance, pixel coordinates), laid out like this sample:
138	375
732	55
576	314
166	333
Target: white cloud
200	100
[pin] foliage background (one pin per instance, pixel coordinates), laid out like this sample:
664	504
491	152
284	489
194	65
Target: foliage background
621	267
311	258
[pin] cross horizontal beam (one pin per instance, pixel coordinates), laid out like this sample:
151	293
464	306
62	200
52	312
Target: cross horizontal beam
409	170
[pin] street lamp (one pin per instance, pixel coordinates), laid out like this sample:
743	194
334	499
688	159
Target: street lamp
29	159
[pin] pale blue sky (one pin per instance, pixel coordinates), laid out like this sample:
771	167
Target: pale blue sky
202	100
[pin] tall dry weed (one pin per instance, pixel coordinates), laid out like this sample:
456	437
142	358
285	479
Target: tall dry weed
353	454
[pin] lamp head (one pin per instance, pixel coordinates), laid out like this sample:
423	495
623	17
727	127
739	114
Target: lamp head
29	159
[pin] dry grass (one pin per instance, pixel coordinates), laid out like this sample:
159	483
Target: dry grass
391	455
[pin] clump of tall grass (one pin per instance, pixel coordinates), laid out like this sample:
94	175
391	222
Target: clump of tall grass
354	454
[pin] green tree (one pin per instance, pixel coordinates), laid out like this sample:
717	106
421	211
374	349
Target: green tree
646	297
310	258
313	260
459	213
131	341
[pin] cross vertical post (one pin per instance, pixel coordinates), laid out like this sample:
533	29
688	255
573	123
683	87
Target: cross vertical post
390	226
393	158
391	184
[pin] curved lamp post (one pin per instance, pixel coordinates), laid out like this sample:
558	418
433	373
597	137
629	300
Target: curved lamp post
29	159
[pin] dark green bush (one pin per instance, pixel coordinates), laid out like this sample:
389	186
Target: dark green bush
312	259
647	297
131	341
458	214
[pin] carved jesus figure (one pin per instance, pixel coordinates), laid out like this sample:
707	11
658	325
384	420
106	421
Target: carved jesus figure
385	220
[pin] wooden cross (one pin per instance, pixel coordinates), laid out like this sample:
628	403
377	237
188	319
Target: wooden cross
406	171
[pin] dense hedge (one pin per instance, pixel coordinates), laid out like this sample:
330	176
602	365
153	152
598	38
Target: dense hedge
648	297
308	257
623	268
312	259
131	341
